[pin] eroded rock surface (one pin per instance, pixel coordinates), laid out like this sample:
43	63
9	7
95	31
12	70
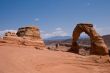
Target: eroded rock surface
29	32
27	36
10	34
98	45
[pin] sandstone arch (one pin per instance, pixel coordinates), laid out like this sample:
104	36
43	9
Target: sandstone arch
98	45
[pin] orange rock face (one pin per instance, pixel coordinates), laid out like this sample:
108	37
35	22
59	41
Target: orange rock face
29	32
31	36
98	45
27	36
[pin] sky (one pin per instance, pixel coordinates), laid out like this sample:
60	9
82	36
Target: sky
54	17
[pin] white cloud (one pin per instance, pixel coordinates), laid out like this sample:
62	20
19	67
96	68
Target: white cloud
102	30
59	29
4	31
58	32
36	19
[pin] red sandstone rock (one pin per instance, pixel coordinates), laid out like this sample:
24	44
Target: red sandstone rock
27	36
10	34
31	32
98	45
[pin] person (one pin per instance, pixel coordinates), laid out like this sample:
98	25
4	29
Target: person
57	45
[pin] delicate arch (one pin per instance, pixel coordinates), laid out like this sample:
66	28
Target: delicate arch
98	45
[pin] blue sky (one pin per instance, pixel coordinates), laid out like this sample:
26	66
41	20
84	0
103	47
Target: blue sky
54	17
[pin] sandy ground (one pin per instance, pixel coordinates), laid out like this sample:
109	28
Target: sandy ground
20	59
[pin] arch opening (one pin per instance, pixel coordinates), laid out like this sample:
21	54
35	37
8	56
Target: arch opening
84	44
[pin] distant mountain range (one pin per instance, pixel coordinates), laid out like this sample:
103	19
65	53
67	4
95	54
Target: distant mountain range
58	38
107	39
63	37
67	39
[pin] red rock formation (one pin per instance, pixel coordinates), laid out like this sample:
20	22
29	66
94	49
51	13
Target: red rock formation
27	36
10	34
98	45
31	36
31	32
